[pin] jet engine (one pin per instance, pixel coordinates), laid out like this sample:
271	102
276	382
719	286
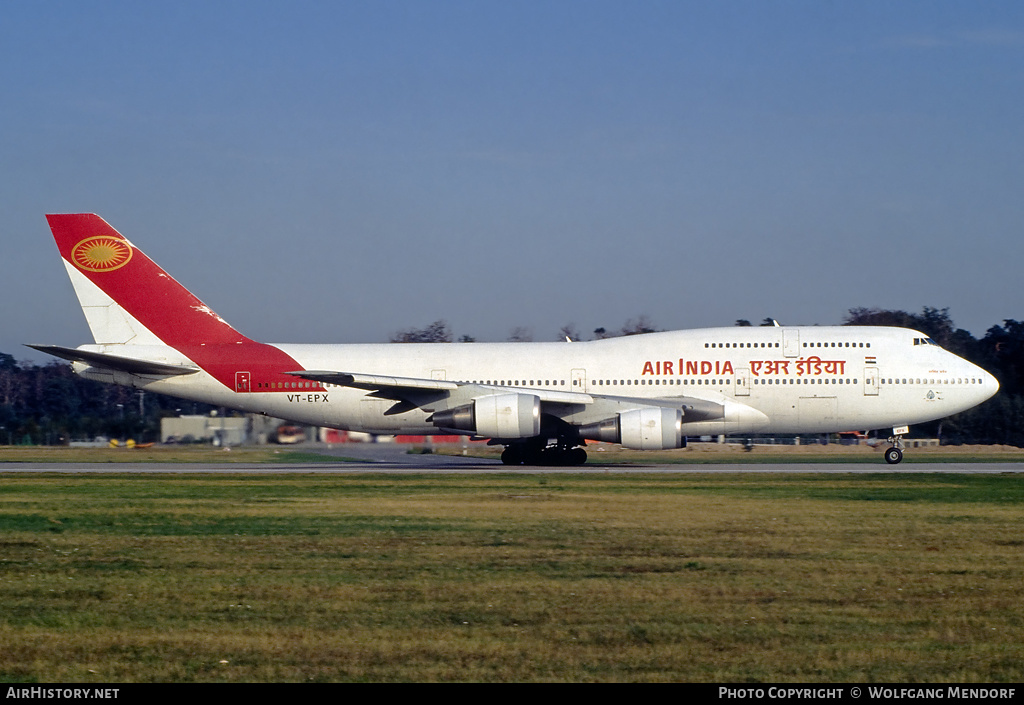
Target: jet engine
648	428
495	416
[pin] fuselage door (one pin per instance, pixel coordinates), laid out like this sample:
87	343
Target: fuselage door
579	381
242	382
791	342
742	386
871	381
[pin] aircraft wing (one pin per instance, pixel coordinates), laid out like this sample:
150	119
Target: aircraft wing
115	362
427	392
403	387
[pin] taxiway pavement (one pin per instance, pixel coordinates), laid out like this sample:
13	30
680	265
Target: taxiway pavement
394	459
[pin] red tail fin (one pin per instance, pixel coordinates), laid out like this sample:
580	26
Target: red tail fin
128	299
132	281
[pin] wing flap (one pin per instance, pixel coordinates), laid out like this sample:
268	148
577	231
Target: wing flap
374	382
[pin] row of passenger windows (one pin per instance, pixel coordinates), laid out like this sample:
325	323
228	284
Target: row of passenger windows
741	345
521	383
892	380
808	380
715	382
656	382
775	345
837	345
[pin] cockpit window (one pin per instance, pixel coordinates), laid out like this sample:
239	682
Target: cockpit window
924	341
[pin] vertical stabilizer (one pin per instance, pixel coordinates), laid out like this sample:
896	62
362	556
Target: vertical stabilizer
126	297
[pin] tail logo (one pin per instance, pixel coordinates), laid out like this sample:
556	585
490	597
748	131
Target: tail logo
101	253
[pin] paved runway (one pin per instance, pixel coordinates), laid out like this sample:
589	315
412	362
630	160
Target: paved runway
498	468
385	458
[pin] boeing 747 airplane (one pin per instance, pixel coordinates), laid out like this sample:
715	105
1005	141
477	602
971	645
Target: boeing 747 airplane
542	401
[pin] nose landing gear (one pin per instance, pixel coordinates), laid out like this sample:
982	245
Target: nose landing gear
894	454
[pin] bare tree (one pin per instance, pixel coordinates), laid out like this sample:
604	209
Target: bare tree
436	332
569	331
520	334
638	325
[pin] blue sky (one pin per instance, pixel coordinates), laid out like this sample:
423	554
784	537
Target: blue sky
338	171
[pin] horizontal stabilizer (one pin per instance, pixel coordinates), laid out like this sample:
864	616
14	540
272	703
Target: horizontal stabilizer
115	362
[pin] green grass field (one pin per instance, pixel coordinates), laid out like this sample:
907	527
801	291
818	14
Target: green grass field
361	577
165	454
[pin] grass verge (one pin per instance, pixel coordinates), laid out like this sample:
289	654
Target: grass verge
893	578
164	454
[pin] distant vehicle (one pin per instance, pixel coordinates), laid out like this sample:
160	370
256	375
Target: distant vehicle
289	434
852	437
542	401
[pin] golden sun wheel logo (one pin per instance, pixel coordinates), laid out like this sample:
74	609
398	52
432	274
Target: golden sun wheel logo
101	254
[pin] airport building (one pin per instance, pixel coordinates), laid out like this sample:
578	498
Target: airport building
219	430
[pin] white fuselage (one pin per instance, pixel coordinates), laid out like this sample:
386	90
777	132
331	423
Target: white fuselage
769	379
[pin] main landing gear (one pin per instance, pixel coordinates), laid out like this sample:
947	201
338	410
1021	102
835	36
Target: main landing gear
894	454
535	454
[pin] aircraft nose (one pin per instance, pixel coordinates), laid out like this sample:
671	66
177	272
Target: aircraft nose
992	382
989	385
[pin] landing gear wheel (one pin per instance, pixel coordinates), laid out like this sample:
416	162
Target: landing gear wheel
512	455
893	455
520	455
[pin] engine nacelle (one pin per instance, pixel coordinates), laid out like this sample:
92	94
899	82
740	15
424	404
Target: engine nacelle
495	416
649	428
